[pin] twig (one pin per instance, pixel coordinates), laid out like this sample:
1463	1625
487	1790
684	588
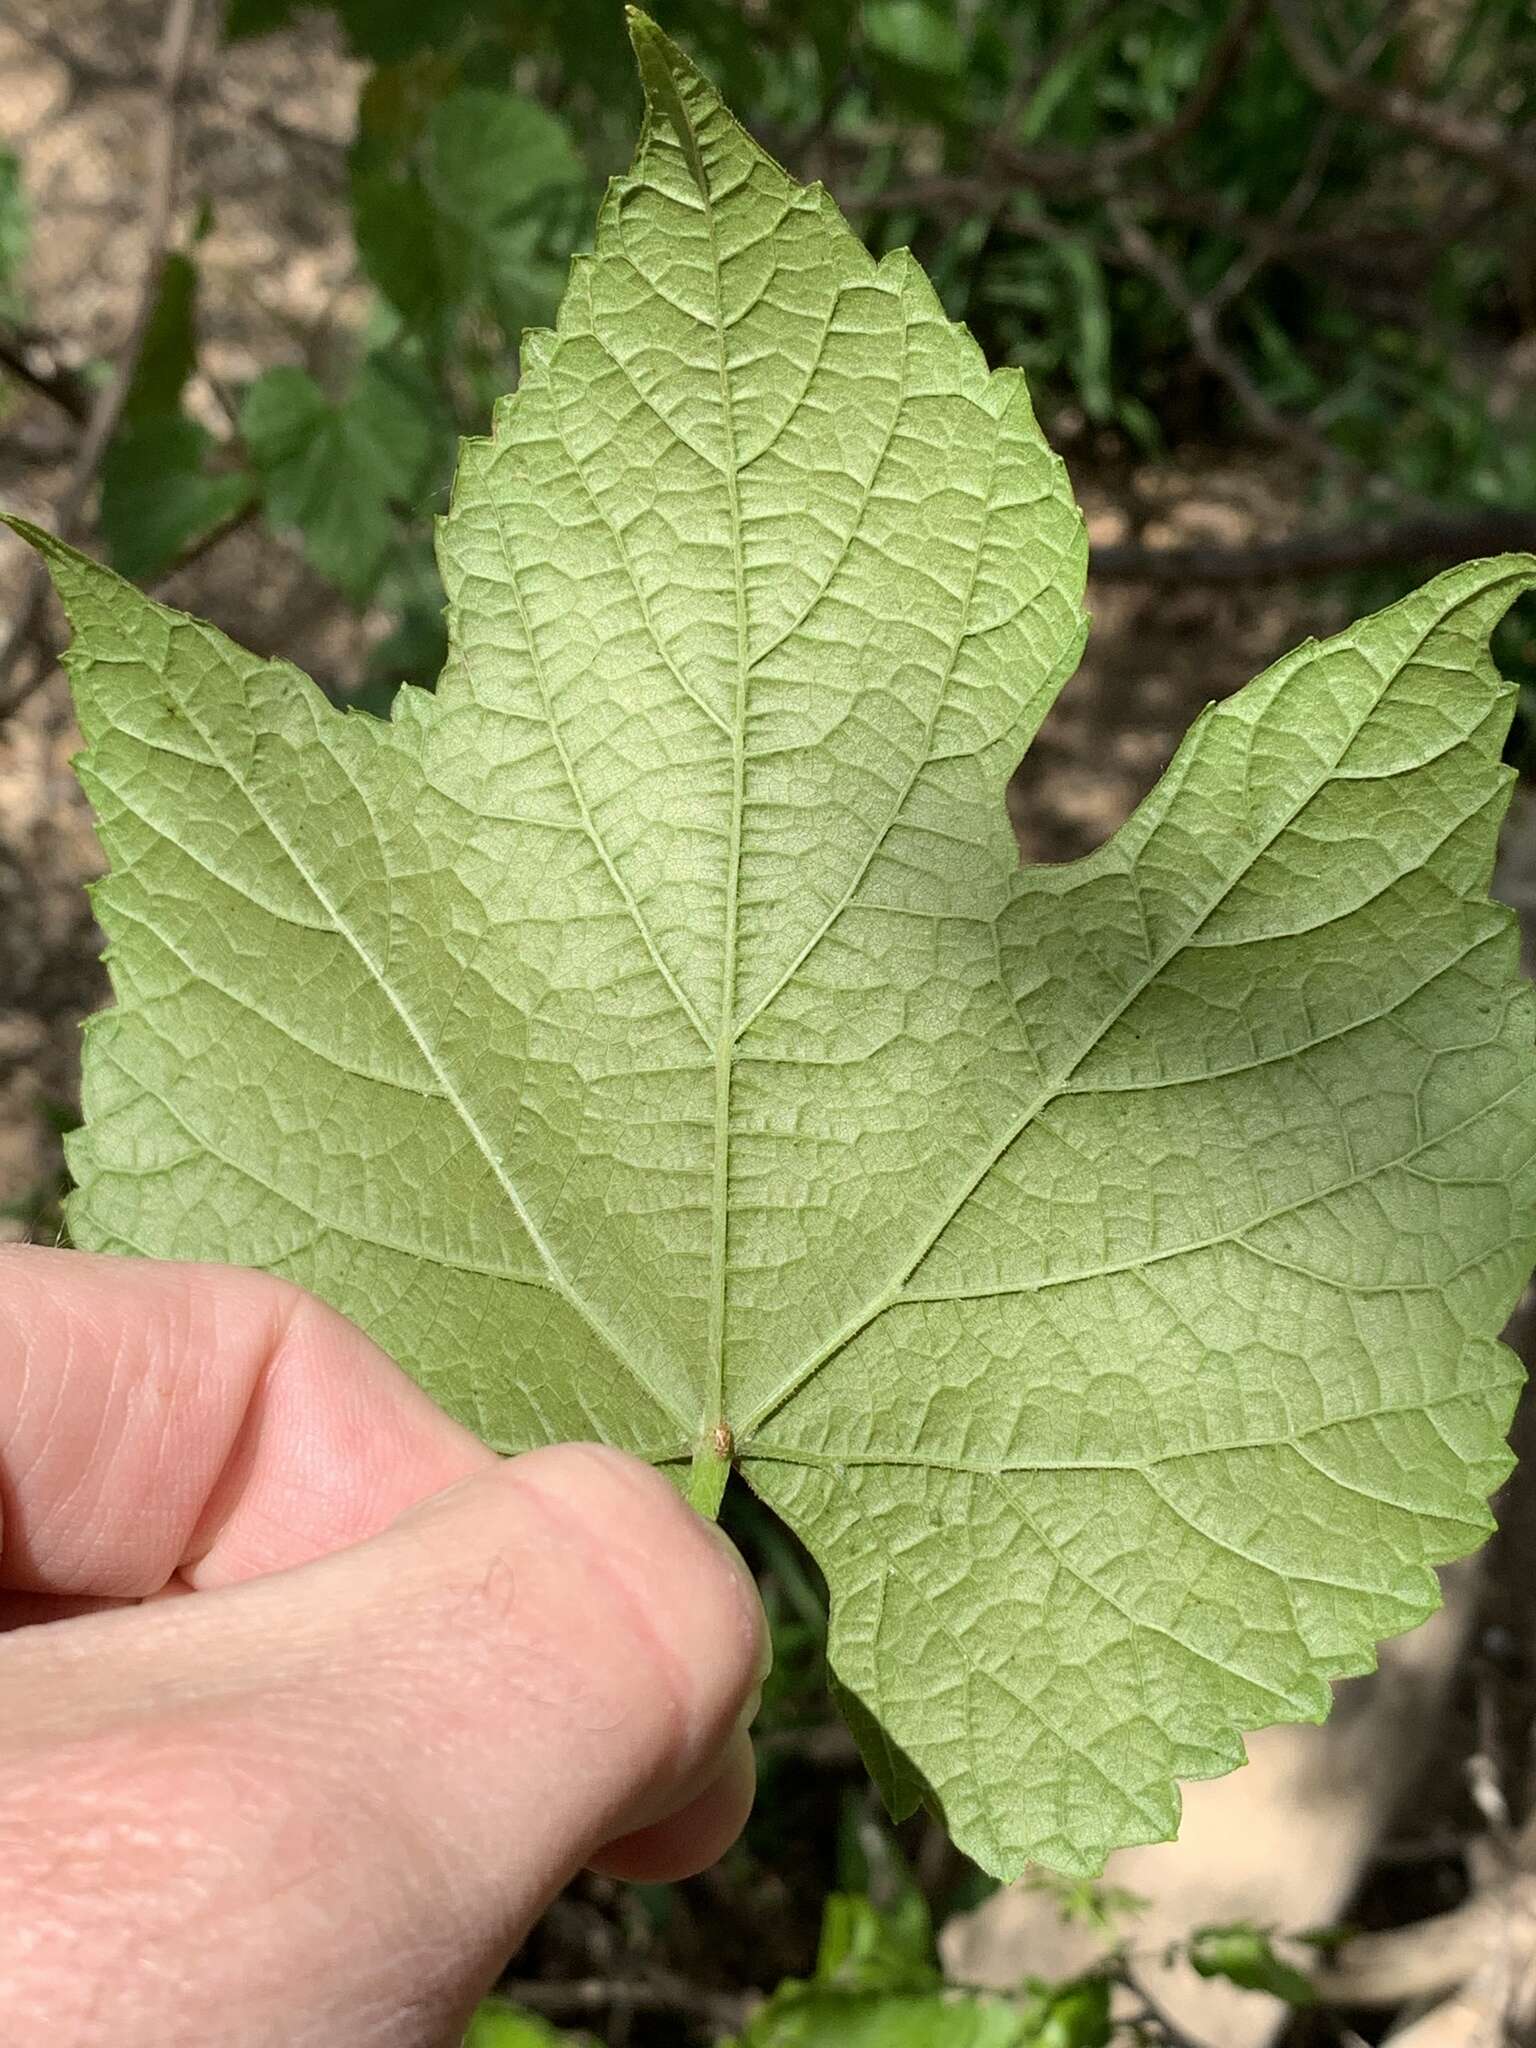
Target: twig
1151	2010
1200	317
107	412
1482	1953
1494	2005
1268	238
1485	1785
34	361
205	543
1425	1959
581	1996
1506	158
1447	537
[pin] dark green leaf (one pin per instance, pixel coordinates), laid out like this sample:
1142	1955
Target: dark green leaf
494	165
244	19
387	30
336	472
158	493
170	345
465	199
396	227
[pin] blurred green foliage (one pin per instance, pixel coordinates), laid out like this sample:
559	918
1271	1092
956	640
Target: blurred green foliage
1245	1955
15	233
877	1984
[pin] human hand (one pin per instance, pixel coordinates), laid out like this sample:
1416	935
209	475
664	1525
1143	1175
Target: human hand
318	1805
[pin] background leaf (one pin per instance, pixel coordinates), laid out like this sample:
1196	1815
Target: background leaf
1245	1955
15	232
159	493
456	204
337	470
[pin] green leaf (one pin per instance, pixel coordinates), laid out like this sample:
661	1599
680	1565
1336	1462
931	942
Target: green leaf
1245	1955
15	231
1085	1902
652	1034
506	2026
866	1948
497	165
396	227
244	19
160	489
387	30
808	2016
380	29
469	211
1072	2015
169	353
916	33
337	471
158	493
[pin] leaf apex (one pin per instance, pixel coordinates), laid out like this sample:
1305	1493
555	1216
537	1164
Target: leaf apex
35	536
662	65
68	566
677	95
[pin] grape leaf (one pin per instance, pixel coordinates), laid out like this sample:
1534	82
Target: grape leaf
652	1035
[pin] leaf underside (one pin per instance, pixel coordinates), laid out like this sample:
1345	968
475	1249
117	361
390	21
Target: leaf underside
1099	1267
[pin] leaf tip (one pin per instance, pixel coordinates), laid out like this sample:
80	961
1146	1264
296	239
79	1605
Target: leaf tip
68	567
677	94
35	536
657	56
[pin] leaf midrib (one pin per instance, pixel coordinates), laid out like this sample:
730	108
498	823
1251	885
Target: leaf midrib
725	1045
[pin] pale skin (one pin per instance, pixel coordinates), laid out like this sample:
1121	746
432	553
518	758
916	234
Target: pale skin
320	1803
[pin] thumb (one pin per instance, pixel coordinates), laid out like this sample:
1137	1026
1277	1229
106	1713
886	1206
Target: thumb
325	1805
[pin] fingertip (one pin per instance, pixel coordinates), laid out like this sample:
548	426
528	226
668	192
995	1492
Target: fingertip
687	1589
697	1835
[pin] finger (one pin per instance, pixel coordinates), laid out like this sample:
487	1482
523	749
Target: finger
317	1798
29	1610
698	1834
158	1419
